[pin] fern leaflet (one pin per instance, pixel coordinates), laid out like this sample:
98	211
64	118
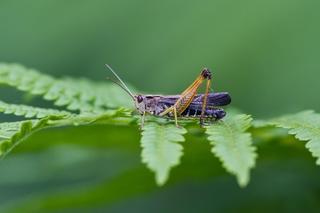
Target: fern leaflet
233	146
29	111
160	150
304	126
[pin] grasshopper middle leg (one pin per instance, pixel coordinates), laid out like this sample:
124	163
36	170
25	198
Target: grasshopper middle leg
174	110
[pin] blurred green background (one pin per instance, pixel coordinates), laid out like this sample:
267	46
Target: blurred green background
265	53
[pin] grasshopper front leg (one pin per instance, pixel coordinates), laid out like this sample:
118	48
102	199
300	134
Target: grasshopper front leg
143	116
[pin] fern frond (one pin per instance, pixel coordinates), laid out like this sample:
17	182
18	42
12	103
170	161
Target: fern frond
76	94
233	145
305	126
12	133
161	150
30	112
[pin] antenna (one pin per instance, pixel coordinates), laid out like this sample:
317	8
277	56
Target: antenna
121	84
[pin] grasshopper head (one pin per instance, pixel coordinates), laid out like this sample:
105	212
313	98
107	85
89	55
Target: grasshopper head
140	103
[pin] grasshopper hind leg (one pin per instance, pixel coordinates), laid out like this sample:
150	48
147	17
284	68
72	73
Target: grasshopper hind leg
204	103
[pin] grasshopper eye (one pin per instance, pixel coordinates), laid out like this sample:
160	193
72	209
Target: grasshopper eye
139	98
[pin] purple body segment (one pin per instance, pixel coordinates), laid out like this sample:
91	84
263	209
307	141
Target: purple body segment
195	111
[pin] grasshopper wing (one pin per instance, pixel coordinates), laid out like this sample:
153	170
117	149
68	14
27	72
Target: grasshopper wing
214	99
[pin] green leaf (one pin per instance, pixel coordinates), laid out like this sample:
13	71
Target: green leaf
233	145
161	151
75	94
304	126
30	112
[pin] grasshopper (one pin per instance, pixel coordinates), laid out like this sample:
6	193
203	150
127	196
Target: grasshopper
188	104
